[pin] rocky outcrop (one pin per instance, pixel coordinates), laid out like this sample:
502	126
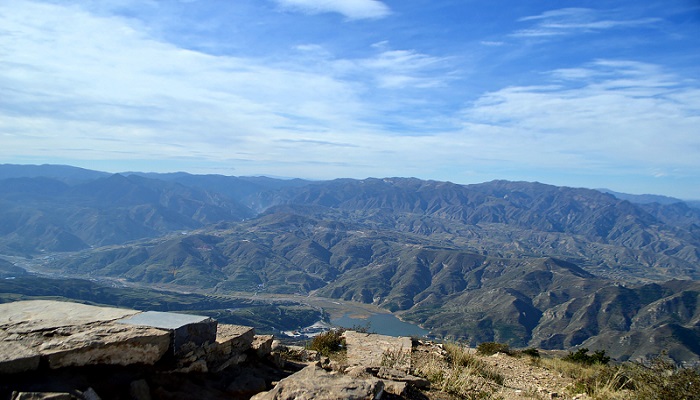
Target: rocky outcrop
68	334
314	382
58	350
376	367
374	351
51	349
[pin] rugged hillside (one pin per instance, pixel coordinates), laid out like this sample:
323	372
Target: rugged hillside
611	237
45	214
523	263
528	301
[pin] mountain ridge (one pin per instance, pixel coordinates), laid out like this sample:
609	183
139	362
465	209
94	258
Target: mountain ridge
518	262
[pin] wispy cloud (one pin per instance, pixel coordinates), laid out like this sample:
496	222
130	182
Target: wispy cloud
568	21
70	77
127	84
404	68
605	113
352	9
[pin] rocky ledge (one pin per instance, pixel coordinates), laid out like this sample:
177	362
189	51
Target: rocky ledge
60	350
57	350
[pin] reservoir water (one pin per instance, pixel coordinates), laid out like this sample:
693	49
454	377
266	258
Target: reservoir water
384	324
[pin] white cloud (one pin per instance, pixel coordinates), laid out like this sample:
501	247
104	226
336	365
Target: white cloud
80	86
404	68
575	20
352	9
87	78
492	43
606	113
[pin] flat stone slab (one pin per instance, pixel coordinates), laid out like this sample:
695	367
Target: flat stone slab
71	334
38	315
16	357
235	338
164	320
375	351
314	383
186	329
108	344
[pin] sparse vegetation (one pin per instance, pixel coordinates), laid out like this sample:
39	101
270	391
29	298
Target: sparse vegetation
396	358
660	380
364	328
467	375
532	352
459	373
490	348
329	342
581	356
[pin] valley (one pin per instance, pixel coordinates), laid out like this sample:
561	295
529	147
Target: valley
527	264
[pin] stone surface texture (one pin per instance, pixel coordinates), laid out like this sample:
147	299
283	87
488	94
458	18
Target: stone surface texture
71	334
262	344
234	338
109	344
42	338
375	351
16	357
186	329
36	315
313	382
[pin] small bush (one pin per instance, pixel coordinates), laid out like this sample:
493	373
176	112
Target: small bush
532	352
328	342
364	328
581	356
490	348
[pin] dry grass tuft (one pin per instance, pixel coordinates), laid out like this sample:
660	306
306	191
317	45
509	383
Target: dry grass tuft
459	373
660	381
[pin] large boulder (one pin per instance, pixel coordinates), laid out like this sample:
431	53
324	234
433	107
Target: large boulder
313	382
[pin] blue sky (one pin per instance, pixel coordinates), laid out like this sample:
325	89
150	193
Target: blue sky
576	93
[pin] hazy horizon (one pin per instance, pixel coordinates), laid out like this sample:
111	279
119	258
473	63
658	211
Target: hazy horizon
597	95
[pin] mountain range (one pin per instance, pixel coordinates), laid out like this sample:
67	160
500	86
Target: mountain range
525	263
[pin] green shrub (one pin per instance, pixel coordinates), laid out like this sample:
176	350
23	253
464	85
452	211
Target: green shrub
532	352
581	356
490	348
328	342
665	380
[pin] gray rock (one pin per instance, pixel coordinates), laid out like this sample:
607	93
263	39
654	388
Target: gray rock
70	334
186	329
45	315
396	388
262	344
357	371
230	346
139	390
313	382
247	385
277	345
401	376
299	353
109	344
90	394
374	351
16	357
